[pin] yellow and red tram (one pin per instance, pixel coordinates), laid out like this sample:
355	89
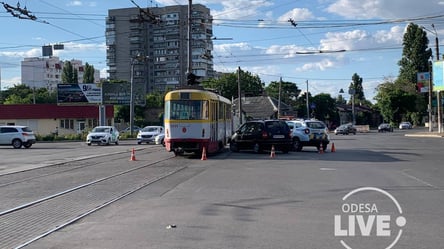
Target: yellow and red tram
194	119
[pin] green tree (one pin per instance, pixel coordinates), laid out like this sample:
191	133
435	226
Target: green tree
356	85
415	56
88	74
69	74
394	103
324	108
227	84
23	94
289	91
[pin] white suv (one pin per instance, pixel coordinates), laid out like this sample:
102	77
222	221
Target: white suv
17	136
309	133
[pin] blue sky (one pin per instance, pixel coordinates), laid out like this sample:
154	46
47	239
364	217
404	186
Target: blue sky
262	39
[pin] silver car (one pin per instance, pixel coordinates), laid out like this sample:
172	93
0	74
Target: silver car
148	133
103	135
17	136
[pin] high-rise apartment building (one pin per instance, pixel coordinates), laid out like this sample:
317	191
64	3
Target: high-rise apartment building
46	72
153	42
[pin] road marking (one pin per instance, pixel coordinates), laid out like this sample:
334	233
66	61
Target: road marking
419	180
327	169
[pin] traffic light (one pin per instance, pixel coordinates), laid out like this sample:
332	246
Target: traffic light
192	79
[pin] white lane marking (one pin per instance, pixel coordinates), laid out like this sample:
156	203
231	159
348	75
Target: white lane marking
419	180
327	169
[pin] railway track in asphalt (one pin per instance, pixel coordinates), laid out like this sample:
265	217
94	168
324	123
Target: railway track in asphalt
38	202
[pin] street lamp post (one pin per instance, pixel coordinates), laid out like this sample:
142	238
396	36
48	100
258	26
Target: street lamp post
138	58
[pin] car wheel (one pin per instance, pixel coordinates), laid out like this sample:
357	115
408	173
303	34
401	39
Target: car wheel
162	142
297	146
108	142
234	147
89	144
117	142
285	150
17	143
257	148
27	145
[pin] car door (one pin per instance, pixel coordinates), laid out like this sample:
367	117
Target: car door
3	136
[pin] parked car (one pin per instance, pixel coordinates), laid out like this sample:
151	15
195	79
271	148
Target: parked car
405	125
345	129
127	130
103	135
384	127
148	133
17	136
260	135
159	139
309	133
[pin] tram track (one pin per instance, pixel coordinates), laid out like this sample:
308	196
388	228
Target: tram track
25	222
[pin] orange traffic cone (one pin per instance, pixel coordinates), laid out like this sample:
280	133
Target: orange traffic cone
133	155
272	154
333	149
204	154
321	150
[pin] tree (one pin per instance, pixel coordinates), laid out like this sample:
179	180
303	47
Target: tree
289	91
356	85
395	103
227	84
325	108
88	74
415	56
23	94
69	74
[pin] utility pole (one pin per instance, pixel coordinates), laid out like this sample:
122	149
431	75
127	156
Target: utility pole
306	102
239	95
190	50
279	99
438	93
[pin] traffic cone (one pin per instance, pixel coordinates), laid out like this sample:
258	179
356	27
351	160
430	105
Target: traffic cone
133	155
272	154
204	154
321	150
333	149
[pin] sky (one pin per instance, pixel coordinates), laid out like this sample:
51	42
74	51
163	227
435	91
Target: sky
317	44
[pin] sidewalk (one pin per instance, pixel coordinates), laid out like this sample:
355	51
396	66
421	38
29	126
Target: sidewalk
425	134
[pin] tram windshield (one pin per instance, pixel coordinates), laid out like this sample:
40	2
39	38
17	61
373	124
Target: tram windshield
186	110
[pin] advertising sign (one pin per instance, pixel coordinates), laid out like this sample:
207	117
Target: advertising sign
438	73
79	94
423	82
120	94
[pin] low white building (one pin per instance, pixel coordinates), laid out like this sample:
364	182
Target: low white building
39	72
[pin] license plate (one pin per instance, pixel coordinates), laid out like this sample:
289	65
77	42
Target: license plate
278	136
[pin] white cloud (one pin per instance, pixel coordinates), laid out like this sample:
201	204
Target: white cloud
297	15
382	8
322	65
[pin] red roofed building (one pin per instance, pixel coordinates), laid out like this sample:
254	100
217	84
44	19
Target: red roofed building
44	119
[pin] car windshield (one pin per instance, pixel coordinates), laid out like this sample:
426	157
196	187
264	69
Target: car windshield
315	125
101	129
150	129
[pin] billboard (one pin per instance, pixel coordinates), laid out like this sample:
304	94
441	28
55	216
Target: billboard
423	81
79	94
438	73
120	94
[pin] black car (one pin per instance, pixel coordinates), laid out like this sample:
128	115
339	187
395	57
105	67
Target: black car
260	135
384	127
345	129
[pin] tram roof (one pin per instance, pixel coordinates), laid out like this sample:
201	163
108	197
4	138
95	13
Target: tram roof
195	94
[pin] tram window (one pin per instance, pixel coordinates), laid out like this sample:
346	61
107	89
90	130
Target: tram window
188	110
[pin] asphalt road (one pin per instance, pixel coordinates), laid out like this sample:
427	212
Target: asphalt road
245	200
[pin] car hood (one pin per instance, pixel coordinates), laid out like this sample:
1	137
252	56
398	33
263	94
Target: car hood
98	134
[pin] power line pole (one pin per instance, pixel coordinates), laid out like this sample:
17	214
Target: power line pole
239	95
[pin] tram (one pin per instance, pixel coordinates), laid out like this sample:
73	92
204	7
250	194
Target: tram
196	119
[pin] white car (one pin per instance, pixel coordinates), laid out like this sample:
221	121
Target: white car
17	136
405	125
148	133
103	135
159	139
